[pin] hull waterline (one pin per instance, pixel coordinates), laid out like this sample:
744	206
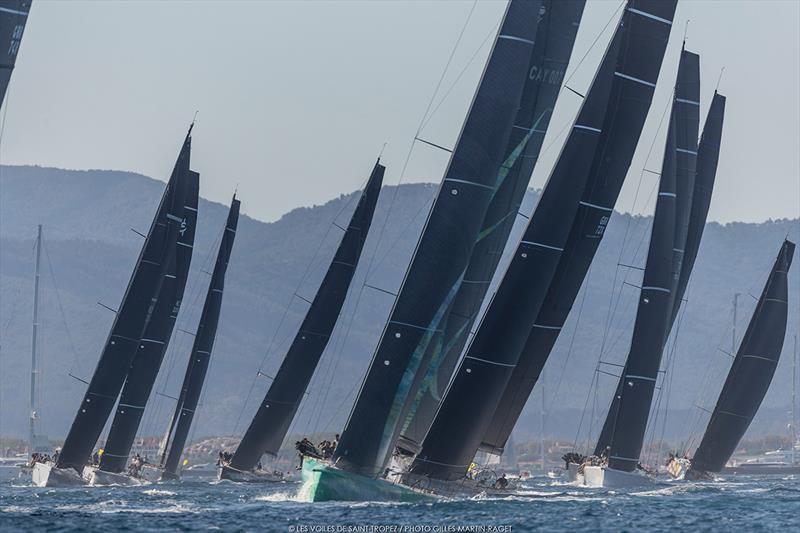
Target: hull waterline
604	477
97	477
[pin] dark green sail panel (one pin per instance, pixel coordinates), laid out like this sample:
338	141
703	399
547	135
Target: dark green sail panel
131	319
649	23
200	356
751	372
153	344
445	245
276	412
555	38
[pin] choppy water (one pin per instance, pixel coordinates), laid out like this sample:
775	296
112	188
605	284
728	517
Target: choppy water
743	504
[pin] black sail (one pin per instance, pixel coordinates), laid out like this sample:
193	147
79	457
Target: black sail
153	344
200	355
13	17
443	251
649	23
751	372
555	38
275	413
623	433
479	382
131	319
706	172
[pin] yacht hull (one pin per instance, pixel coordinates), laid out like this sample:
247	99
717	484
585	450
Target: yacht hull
254	476
324	482
47	475
98	477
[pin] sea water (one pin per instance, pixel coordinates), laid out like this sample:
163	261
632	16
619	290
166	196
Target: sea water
742	503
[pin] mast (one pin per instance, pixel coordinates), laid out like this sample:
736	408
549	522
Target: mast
751	372
146	363
445	245
555	37
13	17
648	37
589	155
200	356
34	411
275	414
130	320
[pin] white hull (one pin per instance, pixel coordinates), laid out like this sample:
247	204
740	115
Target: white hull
254	476
573	474
97	477
604	477
46	475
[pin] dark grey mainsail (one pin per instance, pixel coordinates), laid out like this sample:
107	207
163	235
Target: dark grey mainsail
649	24
131	319
271	422
13	17
555	38
153	344
751	372
623	433
437	267
590	153
200	355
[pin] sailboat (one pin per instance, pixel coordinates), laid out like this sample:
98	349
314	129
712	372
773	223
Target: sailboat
555	38
131	321
596	150
113	468
748	379
622	437
13	17
433	277
200	356
271	422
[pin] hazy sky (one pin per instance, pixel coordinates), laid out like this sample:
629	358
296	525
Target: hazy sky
296	99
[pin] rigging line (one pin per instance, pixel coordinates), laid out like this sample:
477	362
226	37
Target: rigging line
597	38
2	132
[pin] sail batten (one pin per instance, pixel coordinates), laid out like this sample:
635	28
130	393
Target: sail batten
271	422
750	375
13	18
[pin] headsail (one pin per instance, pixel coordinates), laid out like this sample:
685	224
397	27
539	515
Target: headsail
649	23
131	319
751	372
153	344
589	154
200	355
555	38
13	17
437	267
271	422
